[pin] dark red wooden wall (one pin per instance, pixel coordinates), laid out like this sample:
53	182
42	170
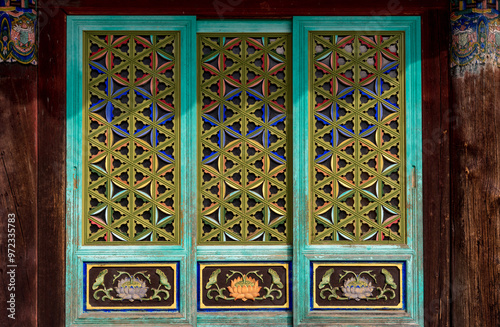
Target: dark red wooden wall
32	143
18	189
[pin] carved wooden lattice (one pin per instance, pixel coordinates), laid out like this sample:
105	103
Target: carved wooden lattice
244	99
357	115
130	125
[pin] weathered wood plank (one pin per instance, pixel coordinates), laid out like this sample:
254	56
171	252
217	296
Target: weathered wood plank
436	175
475	202
18	191
51	172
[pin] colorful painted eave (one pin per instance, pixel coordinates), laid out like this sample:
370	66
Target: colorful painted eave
475	34
18	25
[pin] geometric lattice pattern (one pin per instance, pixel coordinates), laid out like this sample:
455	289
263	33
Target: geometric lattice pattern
358	121
130	103
244	97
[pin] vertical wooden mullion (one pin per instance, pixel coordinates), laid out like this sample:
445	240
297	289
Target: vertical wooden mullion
414	176
301	195
188	168
74	161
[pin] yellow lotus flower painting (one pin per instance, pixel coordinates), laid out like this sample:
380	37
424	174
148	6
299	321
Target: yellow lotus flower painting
245	288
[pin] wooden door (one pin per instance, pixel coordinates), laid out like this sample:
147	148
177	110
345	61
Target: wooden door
258	172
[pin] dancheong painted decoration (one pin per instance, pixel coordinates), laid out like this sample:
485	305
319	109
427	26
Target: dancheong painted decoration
244	100
18	25
131	99
358	128
351	285
244	286
114	286
475	38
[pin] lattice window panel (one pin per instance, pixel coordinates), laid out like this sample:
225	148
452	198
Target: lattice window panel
131	97
244	98
358	145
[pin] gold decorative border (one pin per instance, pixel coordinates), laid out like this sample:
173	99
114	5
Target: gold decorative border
343	264
256	264
171	265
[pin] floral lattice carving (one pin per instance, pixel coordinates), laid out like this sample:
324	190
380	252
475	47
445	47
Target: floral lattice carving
130	105
358	128
244	102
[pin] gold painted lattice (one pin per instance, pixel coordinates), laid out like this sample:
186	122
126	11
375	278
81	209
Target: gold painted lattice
243	103
358	126
130	124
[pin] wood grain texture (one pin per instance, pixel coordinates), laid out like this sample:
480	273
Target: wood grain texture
475	201
18	188
227	9
436	175
51	171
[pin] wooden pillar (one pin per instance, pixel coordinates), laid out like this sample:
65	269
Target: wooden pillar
51	167
18	194
18	162
475	164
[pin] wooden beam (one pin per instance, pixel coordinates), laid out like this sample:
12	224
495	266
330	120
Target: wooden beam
225	9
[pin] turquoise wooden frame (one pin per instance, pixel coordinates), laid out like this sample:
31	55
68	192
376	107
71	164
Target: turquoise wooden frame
301	253
276	253
76	254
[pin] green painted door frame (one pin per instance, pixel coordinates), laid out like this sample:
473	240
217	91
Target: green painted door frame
300	271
